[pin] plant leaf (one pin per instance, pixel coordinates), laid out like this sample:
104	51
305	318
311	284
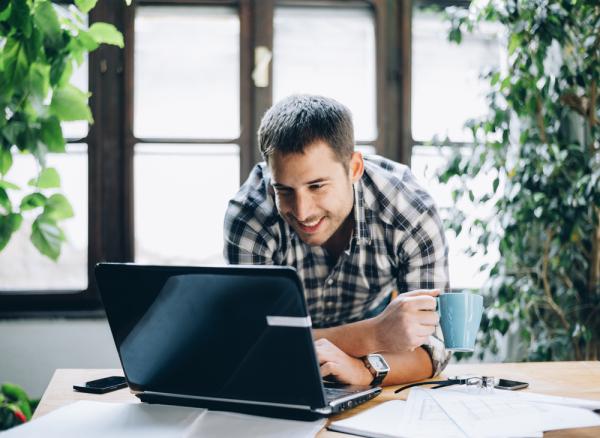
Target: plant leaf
58	208
5	200
6	160
33	200
106	33
47	179
51	134
8	225
15	62
69	103
46	19
8	185
47	237
39	79
85	6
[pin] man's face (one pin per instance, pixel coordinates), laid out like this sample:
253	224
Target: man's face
313	190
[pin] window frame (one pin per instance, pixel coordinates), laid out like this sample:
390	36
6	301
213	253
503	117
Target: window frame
110	140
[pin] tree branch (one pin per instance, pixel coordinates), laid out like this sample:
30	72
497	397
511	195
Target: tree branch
592	103
539	116
574	102
546	281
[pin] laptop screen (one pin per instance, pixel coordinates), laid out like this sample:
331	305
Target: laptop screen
237	333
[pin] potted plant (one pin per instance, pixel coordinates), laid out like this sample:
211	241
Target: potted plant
15	406
540	147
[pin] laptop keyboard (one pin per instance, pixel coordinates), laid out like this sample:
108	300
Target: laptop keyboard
335	393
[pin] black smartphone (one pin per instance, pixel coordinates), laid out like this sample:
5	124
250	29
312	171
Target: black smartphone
511	385
100	386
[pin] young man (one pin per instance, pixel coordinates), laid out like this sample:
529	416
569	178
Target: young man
355	229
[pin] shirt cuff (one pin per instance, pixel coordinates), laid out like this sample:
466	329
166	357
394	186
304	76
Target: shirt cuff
437	352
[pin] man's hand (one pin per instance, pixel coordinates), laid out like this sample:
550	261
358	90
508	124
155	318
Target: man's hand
344	368
407	322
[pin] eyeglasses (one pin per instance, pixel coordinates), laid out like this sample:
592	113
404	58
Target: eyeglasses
479	382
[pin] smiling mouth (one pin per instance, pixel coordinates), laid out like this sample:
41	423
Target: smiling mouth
310	227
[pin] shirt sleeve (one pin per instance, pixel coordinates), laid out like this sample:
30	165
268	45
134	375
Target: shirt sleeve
425	255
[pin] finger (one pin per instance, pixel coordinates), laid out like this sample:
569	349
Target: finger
414	293
429	318
328	369
422	302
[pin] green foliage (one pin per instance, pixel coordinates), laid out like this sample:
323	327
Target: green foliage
40	44
541	143
15	406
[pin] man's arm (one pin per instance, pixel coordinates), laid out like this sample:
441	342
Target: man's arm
407	366
405	324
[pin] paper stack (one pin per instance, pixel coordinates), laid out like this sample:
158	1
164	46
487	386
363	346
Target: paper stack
129	420
462	412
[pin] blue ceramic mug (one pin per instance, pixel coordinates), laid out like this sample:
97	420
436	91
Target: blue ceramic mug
460	316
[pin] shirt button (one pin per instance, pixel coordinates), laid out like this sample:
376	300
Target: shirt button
330	281
329	303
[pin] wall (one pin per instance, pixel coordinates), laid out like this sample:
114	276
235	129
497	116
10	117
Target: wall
30	350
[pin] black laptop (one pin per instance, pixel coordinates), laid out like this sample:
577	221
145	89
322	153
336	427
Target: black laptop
232	338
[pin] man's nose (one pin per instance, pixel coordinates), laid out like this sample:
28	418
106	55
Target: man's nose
302	207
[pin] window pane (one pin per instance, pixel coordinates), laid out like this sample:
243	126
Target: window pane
336	58
464	270
22	267
79	129
75	130
181	193
446	88
187	72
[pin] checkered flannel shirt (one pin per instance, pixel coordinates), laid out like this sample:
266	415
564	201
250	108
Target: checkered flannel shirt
398	244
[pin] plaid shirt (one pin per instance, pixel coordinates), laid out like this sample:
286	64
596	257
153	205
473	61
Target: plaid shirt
398	244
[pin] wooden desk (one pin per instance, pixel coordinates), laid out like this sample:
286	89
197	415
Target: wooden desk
573	379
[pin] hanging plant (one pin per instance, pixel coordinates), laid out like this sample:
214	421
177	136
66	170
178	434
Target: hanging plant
40	44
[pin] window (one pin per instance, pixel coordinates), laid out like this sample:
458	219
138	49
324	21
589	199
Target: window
186	97
447	91
22	267
176	114
177	110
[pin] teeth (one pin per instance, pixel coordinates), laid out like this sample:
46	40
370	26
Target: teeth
310	224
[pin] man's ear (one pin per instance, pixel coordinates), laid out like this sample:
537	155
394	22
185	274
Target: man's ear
357	166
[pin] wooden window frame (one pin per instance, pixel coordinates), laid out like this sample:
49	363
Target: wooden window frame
110	140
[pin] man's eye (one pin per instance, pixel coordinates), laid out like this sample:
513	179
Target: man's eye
316	187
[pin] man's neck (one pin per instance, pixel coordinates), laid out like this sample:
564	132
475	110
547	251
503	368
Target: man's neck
340	240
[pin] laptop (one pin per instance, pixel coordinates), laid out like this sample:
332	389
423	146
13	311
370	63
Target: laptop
234	338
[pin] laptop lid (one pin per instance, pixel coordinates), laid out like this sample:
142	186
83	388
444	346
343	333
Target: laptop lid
208	332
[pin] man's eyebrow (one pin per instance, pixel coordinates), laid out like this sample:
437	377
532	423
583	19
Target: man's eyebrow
314	181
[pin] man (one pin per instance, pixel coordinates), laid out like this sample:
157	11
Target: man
355	229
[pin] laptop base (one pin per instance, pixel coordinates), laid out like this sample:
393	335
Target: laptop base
263	411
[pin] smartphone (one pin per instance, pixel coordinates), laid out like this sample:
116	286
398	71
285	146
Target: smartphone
511	385
100	386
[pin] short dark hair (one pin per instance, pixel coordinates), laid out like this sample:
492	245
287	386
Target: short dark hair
297	121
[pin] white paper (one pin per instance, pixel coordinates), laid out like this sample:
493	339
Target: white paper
92	419
226	424
382	421
498	413
419	416
124	420
552	399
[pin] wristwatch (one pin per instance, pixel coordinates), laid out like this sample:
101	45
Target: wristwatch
377	366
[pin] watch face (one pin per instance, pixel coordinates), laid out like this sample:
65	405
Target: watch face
378	363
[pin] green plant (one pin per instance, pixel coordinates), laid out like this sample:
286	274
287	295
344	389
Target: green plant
15	406
540	144
40	44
